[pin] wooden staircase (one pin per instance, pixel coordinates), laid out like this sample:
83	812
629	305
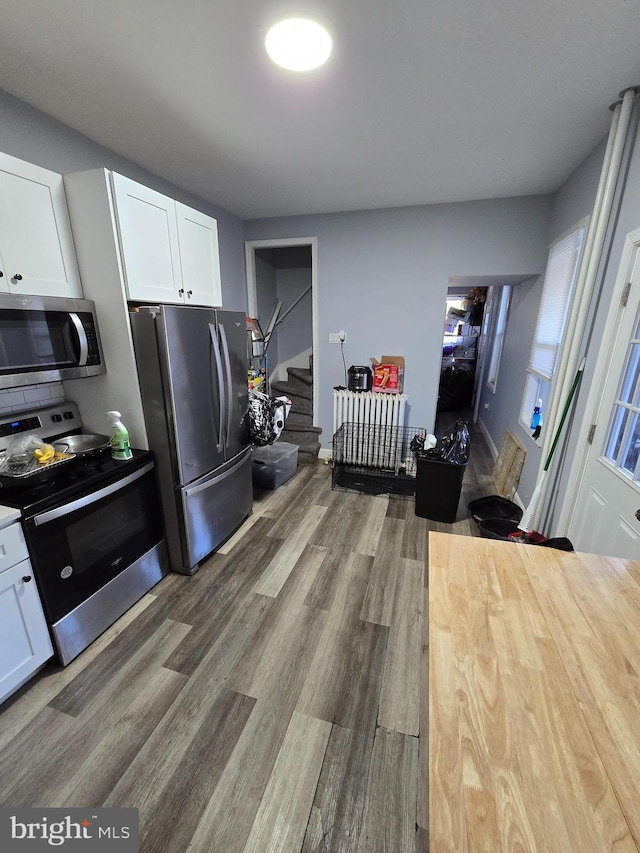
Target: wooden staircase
299	428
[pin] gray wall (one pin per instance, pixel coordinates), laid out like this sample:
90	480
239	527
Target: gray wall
33	136
282	274
267	298
296	330
383	278
504	406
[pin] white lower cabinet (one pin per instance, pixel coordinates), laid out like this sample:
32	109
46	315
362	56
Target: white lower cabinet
24	638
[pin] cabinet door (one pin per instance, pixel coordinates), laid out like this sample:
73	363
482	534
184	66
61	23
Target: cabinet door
36	243
199	257
148	235
24	639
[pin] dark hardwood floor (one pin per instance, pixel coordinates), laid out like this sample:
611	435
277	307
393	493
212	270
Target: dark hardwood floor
275	701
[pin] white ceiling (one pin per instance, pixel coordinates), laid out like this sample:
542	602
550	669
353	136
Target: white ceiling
423	101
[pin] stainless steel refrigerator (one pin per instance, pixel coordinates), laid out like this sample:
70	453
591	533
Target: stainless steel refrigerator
192	370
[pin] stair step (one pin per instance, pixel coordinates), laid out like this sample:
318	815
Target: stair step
299	437
301	373
290	388
299	405
308	453
299	428
301	423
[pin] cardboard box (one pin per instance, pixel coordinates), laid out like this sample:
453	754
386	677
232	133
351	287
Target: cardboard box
388	374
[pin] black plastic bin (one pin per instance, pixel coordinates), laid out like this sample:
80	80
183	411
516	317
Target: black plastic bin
494	506
438	487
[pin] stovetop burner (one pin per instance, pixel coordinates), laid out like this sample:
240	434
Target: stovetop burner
79	477
73	479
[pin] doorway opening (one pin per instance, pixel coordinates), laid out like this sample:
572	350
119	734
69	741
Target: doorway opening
464	310
282	299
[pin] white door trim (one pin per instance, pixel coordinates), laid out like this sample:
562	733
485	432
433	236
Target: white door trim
602	359
250	247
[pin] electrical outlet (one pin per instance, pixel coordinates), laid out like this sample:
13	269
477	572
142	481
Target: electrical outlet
334	338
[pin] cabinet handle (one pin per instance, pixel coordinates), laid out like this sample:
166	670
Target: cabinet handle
17	277
26	578
189	293
181	292
1	274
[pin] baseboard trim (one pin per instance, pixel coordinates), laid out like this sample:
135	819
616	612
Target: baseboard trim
325	453
493	450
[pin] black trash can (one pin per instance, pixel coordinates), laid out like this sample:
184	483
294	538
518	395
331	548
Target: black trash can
438	487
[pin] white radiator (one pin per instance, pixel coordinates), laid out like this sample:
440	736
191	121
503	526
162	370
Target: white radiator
373	442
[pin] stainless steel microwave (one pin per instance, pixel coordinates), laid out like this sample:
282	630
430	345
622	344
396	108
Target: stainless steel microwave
45	339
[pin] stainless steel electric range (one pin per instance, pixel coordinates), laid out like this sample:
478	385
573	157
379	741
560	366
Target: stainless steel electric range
94	530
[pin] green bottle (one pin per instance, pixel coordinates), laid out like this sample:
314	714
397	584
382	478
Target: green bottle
119	441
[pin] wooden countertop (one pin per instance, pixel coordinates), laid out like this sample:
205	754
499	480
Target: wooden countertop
534	699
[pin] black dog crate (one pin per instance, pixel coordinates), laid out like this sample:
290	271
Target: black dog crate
375	459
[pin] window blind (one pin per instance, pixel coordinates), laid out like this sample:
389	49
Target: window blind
554	306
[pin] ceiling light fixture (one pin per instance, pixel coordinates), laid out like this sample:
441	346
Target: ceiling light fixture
298	44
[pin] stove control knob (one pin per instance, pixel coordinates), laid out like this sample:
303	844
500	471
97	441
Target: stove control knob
27	578
56	418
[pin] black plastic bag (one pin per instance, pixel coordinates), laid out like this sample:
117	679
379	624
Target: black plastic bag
452	446
267	416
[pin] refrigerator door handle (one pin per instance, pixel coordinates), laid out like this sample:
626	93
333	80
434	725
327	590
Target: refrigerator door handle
229	383
221	397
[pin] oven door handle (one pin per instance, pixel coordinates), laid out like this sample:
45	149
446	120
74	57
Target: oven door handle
87	500
76	322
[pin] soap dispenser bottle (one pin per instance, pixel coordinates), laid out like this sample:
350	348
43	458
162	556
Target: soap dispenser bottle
120	448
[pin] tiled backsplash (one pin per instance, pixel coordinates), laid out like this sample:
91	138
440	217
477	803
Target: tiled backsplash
30	396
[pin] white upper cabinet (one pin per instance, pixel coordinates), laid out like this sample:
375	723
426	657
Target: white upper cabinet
169	251
37	255
148	234
199	256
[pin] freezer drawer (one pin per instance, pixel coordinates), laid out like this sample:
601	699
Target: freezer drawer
213	508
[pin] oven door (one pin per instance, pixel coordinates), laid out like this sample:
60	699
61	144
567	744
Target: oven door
79	547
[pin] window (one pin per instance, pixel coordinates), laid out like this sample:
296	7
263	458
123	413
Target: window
622	445
562	266
503	297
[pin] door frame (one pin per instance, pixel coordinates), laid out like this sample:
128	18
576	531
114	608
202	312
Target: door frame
603	357
250	247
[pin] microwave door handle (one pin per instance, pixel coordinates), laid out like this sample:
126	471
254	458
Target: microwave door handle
229	388
218	363
87	500
82	338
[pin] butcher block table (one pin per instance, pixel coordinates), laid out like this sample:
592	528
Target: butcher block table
534	699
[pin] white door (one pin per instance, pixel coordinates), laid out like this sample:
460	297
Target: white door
605	520
149	242
38	254
199	257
